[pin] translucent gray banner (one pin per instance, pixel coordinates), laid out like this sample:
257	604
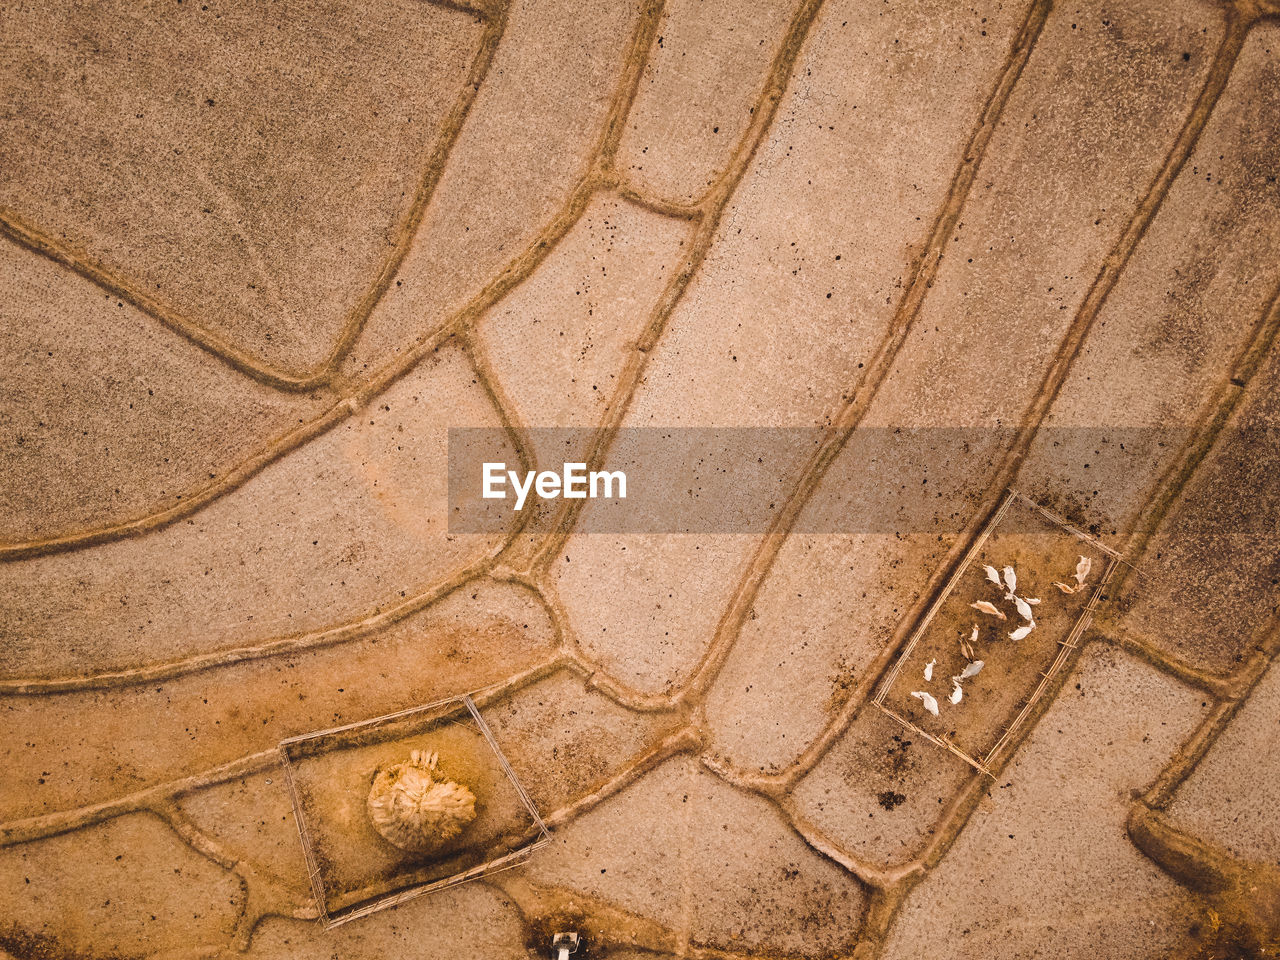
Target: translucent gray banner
891	480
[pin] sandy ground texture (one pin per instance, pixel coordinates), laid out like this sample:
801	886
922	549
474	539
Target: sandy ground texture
255	261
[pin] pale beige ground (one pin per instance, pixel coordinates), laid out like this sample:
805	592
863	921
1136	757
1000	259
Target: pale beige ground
255	263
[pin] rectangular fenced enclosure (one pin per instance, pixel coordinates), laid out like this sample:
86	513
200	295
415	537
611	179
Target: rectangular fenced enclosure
1004	624
355	867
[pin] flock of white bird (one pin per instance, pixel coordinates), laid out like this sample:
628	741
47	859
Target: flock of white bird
1006	580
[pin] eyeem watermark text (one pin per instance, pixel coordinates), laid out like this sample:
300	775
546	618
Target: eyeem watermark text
574	482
